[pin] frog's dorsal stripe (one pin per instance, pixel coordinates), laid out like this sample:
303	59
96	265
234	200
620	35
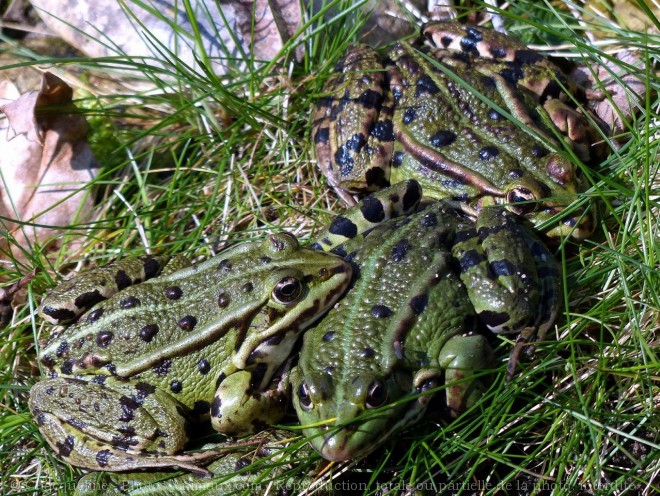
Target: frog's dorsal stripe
400	199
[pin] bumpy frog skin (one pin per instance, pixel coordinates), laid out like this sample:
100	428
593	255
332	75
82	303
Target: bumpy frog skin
126	381
418	115
409	322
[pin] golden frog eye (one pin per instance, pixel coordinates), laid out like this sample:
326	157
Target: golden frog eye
521	200
304	398
287	290
377	394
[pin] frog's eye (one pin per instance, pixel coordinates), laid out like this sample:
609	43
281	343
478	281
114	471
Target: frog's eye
304	398
427	385
287	290
521	201
377	394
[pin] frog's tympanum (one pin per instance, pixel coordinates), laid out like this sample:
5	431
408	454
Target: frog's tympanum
476	117
125	382
410	320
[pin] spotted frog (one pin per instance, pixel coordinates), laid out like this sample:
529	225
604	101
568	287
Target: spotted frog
474	116
424	285
124	382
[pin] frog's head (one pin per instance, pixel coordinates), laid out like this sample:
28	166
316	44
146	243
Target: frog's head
344	419
552	194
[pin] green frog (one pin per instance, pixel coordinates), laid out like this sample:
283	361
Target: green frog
476	117
149	355
410	321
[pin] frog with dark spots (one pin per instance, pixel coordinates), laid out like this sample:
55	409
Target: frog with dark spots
473	116
165	352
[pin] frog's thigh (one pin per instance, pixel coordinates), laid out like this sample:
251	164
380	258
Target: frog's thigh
460	357
499	271
238	409
106	424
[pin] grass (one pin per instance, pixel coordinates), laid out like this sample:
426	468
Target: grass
204	161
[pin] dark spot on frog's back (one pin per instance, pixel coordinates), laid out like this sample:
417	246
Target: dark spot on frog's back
488	153
442	138
224	300
370	99
372	209
163	367
104	338
400	250
502	268
176	386
148	332
409	115
86	300
367	353
426	85
62	349
95	315
103	457
539	152
527	57
376	177
122	280
187	323
380	311
497	52
128	407
328	336
143	390
383	131
224	266
418	303
130	302
151	267
204	366
470	259
512	73
67	367
173	293
343	227
64	449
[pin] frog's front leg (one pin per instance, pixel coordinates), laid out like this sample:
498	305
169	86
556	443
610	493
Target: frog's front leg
461	357
101	423
240	406
511	277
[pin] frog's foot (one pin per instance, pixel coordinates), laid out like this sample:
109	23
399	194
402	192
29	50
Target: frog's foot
102	423
461	357
239	408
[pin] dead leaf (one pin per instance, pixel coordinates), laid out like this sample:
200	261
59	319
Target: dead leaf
626	90
227	29
10	297
45	162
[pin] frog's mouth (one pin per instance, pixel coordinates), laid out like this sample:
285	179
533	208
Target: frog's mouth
359	438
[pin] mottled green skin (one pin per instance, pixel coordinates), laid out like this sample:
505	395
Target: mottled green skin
275	466
125	381
410	321
411	118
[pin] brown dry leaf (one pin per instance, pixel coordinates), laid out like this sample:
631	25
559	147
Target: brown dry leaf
12	296
45	162
627	91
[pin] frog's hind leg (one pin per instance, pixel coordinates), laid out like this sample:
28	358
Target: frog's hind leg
400	199
101	423
511	277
